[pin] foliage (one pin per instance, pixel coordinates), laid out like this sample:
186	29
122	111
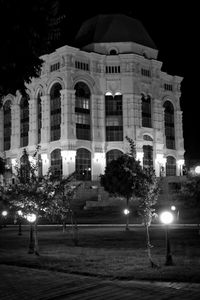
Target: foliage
190	192
31	30
2	166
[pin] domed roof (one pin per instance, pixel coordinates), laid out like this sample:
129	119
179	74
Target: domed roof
113	28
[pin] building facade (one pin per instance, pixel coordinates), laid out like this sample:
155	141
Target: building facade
89	98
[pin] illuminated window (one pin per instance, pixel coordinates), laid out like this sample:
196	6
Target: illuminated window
169	125
24	121
148	156
82	110
83	164
56	163
146	111
55	111
171	166
7	125
114	117
113	155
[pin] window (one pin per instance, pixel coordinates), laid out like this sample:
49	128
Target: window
146	72
171	166
114	117
39	116
81	65
168	87
146	137
146	111
113	52
112	155
56	163
24	121
55	67
113	69
7	125
55	112
148	156
83	164
169	125
82	110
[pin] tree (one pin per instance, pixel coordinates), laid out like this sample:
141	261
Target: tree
147	200
189	193
61	208
123	177
2	166
30	194
28	29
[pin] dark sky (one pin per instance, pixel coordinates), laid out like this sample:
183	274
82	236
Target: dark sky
174	29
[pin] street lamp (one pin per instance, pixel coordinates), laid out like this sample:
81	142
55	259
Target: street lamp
4	215
175	210
126	212
19	213
167	218
31	219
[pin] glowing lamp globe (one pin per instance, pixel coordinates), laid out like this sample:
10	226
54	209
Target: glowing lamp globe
31	218
166	217
4	213
173	207
126	211
197	170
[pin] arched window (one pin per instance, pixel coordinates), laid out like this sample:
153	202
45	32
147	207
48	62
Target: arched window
82	110
148	156
171	166
56	163
113	52
55	111
114	117
169	125
146	111
39	116
147	137
83	164
24	121
112	155
7	125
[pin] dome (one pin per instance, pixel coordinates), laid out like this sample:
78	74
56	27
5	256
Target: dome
113	28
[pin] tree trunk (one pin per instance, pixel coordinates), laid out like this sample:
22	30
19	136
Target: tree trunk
149	246
36	248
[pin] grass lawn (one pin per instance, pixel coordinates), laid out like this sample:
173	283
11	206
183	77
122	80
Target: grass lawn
106	252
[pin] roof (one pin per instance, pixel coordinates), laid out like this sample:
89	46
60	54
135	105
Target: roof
113	28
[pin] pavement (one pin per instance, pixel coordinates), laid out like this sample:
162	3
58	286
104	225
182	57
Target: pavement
20	283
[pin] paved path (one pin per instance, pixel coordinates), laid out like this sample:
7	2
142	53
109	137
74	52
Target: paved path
18	283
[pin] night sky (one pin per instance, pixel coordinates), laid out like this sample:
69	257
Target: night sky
174	30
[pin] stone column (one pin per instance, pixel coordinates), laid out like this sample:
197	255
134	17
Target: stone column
68	161
98	165
15	123
45	130
45	163
33	137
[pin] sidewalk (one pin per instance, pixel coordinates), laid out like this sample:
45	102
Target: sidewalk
19	283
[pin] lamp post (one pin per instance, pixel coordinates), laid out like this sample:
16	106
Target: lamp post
4	215
31	219
174	209
126	212
167	218
19	213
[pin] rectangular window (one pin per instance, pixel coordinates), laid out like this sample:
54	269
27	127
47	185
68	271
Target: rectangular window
81	65
113	69
114	133
146	72
55	67
168	87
